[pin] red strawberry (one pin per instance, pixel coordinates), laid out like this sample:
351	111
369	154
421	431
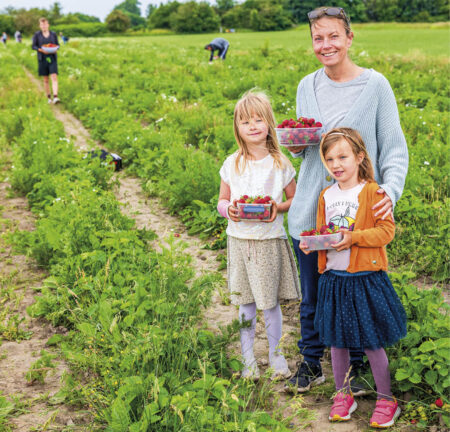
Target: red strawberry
439	403
318	124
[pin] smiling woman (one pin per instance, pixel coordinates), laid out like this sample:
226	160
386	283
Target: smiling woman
341	94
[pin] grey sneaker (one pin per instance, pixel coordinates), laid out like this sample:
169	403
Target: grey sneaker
250	370
56	100
357	384
49	101
307	376
280	367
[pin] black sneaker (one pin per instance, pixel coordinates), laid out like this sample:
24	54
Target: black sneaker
308	375
358	385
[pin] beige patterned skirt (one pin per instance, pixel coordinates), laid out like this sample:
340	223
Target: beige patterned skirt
261	272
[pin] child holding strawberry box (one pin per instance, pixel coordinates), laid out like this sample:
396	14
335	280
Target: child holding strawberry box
357	305
261	265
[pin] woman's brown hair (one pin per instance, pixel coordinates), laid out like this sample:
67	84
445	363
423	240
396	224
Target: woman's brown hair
352	136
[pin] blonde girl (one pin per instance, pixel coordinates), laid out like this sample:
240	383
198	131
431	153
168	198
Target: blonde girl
357	305
261	266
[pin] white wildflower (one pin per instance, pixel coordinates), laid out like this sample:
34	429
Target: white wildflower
426	163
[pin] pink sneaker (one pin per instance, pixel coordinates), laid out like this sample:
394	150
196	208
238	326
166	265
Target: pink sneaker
343	406
385	413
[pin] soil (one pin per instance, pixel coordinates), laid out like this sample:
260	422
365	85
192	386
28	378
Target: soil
149	212
19	275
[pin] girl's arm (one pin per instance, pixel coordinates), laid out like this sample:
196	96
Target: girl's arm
224	203
289	191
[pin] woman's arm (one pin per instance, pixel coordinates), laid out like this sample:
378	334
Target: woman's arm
392	150
379	235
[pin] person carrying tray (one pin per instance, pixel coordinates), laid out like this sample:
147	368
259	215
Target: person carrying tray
47	63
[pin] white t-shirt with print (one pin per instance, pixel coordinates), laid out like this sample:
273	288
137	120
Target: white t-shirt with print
260	177
340	208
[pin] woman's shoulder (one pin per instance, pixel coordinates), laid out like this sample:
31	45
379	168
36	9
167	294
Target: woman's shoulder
378	78
308	79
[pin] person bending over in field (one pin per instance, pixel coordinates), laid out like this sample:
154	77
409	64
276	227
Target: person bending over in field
261	265
47	63
219	44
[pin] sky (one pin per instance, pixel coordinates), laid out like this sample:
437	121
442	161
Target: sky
98	8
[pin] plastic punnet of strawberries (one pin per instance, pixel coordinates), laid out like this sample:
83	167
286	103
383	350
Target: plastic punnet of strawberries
322	238
254	208
303	131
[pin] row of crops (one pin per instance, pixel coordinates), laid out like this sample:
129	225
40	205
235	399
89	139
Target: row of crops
169	114
139	356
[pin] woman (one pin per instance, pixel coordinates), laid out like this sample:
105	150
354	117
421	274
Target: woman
341	94
47	63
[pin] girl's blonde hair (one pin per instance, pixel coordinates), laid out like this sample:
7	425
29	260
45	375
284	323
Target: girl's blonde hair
257	103
352	136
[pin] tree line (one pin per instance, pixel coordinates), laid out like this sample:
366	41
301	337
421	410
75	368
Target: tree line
202	16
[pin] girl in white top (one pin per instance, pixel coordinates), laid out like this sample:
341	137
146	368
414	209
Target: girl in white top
261	266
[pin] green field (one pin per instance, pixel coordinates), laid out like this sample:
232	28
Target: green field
134	314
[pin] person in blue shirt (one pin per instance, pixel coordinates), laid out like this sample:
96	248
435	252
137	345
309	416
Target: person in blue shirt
219	44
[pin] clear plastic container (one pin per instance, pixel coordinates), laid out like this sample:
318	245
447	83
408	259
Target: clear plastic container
292	137
321	242
254	212
49	50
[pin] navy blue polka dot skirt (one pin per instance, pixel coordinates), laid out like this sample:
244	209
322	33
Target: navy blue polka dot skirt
358	310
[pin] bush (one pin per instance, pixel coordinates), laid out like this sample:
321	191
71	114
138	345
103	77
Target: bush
81	29
118	22
192	17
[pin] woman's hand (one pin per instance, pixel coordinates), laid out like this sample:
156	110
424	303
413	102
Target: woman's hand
385	204
233	212
346	241
273	212
296	149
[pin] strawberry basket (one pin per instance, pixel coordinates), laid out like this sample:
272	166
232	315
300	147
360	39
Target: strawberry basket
50	48
321	239
254	208
301	132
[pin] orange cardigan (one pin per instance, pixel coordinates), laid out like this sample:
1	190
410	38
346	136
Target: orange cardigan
370	235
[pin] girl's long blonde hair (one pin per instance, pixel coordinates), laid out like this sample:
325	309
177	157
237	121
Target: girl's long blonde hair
352	136
258	103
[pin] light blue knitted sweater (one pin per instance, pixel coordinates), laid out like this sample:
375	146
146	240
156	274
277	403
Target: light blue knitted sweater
375	116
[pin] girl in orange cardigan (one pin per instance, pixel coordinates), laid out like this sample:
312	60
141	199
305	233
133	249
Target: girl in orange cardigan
357	305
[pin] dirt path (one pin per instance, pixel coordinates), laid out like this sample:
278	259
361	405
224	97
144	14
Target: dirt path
148	212
22	338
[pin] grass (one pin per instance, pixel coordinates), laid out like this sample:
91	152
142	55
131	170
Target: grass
407	39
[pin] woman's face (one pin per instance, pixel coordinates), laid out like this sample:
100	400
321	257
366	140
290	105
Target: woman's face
330	42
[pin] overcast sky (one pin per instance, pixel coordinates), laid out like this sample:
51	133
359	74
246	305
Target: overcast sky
98	8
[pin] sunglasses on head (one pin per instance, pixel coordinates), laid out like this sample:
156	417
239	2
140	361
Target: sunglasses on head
328	11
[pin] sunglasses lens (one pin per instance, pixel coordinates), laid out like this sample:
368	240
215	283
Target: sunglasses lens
314	14
333	11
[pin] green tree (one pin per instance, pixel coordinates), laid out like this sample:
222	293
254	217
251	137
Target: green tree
223	6
7	24
55	12
382	10
160	17
192	17
132	9
131	6
86	18
266	15
356	9
118	22
28	20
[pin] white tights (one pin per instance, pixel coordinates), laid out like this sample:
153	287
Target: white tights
273	321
